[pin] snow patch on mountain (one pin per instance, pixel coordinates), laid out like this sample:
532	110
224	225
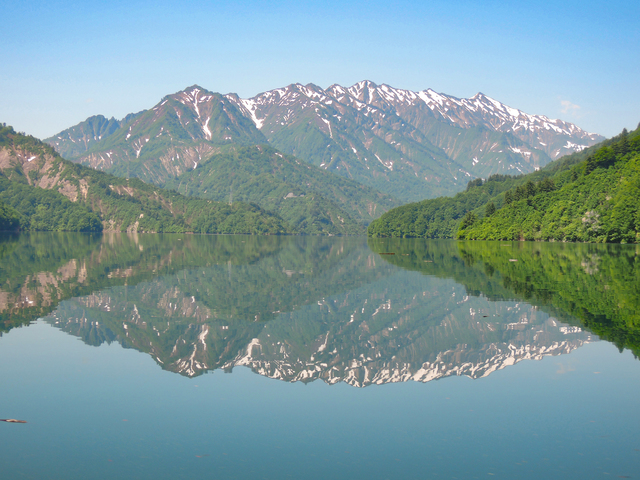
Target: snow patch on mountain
575	147
366	96
249	106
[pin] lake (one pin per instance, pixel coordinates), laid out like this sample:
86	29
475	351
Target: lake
243	357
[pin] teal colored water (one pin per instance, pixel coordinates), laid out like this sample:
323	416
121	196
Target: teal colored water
303	357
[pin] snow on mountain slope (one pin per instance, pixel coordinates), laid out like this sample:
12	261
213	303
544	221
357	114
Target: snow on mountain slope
162	142
479	110
409	144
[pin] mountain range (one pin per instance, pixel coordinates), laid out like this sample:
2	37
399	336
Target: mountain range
409	145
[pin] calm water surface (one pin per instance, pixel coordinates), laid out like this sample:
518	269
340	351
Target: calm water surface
303	357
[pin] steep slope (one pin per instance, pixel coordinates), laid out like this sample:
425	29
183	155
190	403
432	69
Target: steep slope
310	199
61	195
163	142
595	201
413	145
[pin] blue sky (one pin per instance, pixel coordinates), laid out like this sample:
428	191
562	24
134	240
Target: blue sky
63	61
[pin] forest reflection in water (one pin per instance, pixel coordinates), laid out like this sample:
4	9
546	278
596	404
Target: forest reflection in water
306	308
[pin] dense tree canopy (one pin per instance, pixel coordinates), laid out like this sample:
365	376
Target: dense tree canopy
595	201
590	196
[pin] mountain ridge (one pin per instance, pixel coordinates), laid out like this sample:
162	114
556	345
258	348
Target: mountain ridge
473	137
411	145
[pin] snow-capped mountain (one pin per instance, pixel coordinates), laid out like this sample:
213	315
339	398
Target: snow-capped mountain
174	136
479	110
412	145
408	143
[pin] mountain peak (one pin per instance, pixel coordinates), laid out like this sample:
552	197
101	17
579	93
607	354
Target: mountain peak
396	140
364	84
192	88
362	90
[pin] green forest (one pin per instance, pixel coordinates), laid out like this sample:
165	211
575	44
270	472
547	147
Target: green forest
594	201
589	196
307	198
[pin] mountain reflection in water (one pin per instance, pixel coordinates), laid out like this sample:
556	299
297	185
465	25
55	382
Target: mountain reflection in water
306	308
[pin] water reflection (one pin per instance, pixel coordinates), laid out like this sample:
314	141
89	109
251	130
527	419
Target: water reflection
592	286
307	308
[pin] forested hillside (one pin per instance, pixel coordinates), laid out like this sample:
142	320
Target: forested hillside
47	193
438	217
596	200
587	196
309	199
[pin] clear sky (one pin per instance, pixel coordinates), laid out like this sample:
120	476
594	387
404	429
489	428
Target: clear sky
62	61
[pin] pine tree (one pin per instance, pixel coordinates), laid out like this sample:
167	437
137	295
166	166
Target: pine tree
490	209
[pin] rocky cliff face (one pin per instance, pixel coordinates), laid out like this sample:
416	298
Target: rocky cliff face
41	168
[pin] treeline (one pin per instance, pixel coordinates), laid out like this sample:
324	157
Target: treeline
594	201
